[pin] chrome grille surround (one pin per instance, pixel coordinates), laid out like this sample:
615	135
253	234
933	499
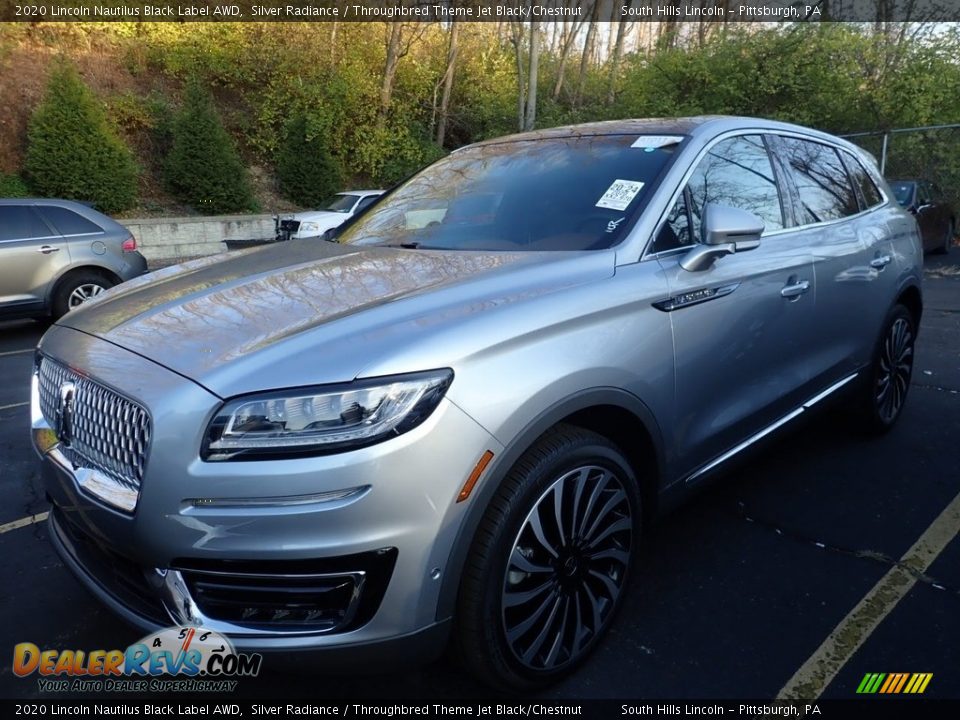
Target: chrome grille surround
110	434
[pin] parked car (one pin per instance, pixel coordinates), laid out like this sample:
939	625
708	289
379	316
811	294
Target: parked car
457	422
935	216
57	254
333	213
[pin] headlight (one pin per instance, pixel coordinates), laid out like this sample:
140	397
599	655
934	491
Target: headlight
309	227
315	421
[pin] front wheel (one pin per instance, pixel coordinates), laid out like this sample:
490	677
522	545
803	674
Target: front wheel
883	397
550	561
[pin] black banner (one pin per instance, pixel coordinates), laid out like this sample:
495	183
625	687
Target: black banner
875	708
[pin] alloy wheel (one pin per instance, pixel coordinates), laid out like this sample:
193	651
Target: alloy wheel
567	568
896	365
82	293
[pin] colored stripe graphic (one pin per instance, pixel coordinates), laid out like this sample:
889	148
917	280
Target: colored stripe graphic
894	683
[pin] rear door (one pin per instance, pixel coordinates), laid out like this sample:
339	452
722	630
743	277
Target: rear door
840	218
87	242
32	254
743	329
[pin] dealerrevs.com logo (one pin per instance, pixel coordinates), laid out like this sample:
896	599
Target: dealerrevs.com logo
177	659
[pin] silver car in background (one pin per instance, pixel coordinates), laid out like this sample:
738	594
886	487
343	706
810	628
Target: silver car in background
57	254
456	423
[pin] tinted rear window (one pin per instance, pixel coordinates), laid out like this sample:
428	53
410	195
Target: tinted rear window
67	222
18	222
902	191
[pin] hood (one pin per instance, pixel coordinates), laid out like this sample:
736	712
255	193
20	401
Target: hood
222	321
326	217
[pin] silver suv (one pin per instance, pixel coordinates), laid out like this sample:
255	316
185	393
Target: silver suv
57	254
457	421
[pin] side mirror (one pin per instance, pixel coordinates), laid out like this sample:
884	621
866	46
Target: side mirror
725	230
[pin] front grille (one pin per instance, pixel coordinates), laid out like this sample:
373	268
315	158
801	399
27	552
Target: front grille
108	432
290	226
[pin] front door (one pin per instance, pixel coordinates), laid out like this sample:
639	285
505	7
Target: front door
742	329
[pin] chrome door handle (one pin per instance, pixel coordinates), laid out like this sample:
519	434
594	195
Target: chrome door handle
796	289
880	262
47	249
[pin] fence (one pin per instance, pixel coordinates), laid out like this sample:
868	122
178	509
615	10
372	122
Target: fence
931	152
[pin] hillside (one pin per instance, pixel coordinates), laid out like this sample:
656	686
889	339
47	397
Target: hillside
382	99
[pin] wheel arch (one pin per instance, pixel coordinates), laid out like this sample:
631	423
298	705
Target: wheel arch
912	299
76	270
612	412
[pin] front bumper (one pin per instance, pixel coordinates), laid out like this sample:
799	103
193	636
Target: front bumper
200	531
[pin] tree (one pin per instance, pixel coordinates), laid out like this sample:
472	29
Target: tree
203	168
400	37
530	116
72	151
452	51
615	60
307	171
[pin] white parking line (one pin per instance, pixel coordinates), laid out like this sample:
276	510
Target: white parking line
13	405
15	352
813	677
23	522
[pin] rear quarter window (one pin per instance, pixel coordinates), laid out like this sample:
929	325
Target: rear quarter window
68	222
869	193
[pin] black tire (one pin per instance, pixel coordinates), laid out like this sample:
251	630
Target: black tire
947	240
84	283
526	617
884	393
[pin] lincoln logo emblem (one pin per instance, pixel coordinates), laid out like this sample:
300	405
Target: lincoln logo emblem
64	427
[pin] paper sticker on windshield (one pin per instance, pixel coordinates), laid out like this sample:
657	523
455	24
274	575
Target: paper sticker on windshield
656	141
620	194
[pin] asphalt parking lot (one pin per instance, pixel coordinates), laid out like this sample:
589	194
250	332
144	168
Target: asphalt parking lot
782	579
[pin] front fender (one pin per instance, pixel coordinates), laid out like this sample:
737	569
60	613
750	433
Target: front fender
500	466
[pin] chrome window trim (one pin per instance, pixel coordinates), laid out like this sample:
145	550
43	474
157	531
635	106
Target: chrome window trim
33	237
100	232
647	254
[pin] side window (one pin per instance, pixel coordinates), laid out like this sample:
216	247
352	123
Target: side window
824	188
20	222
864	183
365	203
67	222
738	173
675	232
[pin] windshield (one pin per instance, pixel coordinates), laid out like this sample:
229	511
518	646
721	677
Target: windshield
571	193
902	191
340	203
